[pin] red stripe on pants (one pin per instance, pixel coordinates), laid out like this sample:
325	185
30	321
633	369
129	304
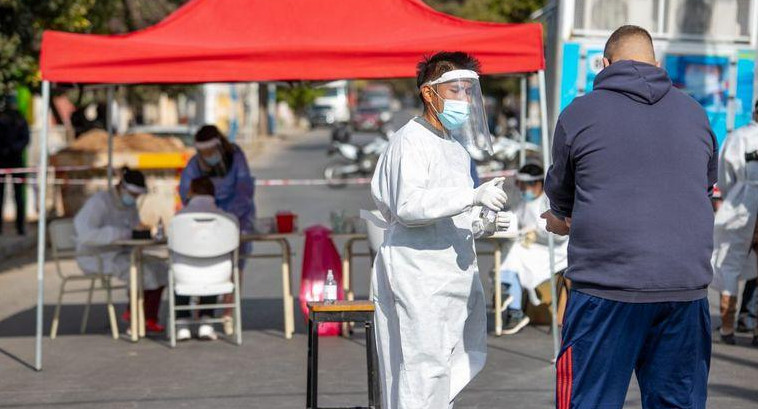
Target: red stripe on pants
564	381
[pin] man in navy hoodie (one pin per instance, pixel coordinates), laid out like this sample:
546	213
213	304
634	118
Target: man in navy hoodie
635	162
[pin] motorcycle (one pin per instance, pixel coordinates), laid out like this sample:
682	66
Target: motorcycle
354	161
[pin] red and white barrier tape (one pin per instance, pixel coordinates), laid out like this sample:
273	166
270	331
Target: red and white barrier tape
260	183
12	171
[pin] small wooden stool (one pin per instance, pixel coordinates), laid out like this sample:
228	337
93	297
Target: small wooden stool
342	311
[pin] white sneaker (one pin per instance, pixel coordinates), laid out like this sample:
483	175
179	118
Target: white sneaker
514	327
228	325
183	334
207	333
506	303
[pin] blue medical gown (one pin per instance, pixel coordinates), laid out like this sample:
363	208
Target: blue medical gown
234	192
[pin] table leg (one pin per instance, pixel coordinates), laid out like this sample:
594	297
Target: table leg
498	290
346	280
133	288
140	294
287	298
347	274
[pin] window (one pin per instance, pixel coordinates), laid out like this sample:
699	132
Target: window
727	19
720	20
607	15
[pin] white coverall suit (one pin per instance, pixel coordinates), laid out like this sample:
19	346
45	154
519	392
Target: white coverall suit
430	310
101	221
733	259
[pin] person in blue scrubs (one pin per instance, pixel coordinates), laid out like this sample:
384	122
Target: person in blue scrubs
225	164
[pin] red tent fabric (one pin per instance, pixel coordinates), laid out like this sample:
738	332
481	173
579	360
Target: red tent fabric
265	40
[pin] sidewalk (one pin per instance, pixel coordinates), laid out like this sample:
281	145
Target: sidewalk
12	244
267	371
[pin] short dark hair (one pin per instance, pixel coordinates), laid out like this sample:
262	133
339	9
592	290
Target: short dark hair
622	33
532	169
133	177
202	186
432	67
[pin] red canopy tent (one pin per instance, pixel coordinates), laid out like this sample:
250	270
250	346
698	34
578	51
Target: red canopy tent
267	40
264	40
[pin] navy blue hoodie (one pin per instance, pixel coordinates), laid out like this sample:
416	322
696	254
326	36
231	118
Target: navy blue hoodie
635	161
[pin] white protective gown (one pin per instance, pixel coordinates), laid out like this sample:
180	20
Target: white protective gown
530	256
430	318
101	221
733	259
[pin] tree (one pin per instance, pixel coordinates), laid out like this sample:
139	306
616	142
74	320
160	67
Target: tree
23	21
501	11
298	95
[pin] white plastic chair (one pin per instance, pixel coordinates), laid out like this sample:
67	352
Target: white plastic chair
63	243
204	250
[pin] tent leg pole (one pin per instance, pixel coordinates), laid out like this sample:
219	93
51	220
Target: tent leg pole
41	223
522	124
109	126
551	240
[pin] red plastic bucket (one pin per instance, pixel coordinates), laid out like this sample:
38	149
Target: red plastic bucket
285	222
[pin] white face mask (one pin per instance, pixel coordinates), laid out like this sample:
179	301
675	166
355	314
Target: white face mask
454	113
214	159
128	200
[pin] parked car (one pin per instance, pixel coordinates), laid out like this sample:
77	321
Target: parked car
371	118
321	115
333	107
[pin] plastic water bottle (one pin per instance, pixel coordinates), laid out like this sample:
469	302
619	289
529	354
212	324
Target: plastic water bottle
160	232
330	288
489	218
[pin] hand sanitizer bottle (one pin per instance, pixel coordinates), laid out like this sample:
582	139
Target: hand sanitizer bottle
160	232
330	288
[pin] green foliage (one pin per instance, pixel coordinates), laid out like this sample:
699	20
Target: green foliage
499	11
502	11
23	21
21	25
298	96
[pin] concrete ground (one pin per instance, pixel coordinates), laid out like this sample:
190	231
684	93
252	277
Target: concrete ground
267	371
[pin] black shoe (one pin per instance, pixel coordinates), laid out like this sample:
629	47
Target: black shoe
728	339
741	327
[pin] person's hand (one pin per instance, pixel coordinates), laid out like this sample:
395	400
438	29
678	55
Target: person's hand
491	195
503	221
556	225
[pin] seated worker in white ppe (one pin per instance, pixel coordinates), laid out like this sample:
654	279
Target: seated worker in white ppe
734	256
430	309
202	199
527	264
112	215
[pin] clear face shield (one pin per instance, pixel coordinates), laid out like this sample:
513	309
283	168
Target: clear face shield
459	106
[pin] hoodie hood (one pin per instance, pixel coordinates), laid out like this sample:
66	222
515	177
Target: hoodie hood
639	81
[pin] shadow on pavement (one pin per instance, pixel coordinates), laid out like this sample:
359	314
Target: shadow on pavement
749	395
257	314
